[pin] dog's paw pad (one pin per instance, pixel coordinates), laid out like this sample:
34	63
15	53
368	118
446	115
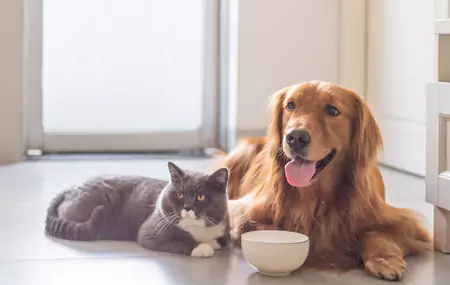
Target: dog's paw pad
390	268
203	250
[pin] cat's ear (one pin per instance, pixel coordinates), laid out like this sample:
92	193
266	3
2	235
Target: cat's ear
220	177
176	174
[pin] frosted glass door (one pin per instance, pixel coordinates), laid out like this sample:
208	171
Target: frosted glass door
118	67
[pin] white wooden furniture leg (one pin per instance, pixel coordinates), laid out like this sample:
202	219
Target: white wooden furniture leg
438	131
441	230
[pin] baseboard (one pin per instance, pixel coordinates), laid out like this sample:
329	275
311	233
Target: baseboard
405	171
404	145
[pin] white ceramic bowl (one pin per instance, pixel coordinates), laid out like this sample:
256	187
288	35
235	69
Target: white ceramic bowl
275	253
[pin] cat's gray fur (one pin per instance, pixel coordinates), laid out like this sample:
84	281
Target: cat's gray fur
146	210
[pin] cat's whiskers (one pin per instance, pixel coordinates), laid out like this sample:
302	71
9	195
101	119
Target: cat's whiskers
208	219
161	221
168	224
166	218
165	222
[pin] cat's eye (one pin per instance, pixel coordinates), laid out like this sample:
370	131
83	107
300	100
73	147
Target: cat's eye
201	197
179	195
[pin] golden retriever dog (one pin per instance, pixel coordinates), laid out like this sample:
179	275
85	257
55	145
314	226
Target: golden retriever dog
316	173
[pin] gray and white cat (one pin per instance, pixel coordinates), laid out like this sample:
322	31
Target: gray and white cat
187	215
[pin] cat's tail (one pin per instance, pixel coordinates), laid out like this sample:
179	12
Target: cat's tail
71	230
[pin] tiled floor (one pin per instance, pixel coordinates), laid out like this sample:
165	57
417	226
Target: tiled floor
27	256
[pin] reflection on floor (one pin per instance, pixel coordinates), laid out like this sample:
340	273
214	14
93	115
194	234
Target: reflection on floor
27	256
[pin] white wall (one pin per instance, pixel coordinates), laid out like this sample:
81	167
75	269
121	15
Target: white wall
11	45
401	59
273	44
282	43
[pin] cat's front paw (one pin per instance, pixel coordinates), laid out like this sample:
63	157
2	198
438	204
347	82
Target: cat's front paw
203	250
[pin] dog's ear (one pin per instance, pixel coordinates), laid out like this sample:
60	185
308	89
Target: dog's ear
366	142
274	132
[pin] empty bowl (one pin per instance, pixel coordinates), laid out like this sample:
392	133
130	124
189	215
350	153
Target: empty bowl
275	253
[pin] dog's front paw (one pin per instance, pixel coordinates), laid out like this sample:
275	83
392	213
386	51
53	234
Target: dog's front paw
390	268
203	250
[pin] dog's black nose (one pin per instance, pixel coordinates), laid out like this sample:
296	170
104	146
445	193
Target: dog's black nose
298	139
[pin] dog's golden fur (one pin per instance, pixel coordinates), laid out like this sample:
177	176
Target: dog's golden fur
343	211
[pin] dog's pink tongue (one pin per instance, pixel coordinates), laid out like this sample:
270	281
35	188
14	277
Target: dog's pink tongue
299	173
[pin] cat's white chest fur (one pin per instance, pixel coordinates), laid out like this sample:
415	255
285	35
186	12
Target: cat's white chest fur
199	231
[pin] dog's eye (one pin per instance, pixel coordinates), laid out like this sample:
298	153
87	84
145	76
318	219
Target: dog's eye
332	111
290	106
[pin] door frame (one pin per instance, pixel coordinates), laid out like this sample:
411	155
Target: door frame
206	136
